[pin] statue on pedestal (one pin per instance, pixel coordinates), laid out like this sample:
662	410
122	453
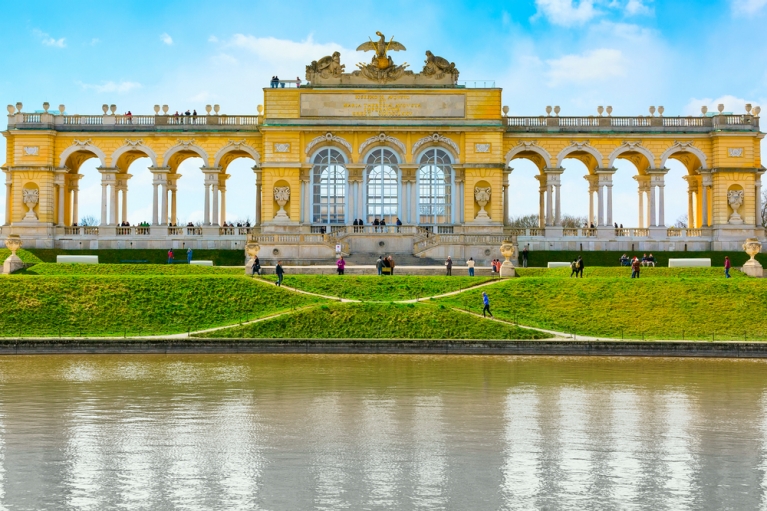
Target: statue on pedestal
13	263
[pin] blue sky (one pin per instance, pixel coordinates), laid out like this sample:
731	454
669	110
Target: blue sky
574	53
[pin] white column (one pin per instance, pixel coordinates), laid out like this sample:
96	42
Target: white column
641	209
214	210
62	188
541	206
661	206
155	199
164	210
75	204
558	207
591	206
549	204
8	203
690	218
173	217
223	205
415	215
103	205
609	203
125	205
600	205
758	202
652	205
113	204
257	220
704	216
206	214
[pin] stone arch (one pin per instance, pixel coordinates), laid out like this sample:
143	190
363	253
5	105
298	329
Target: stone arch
688	149
134	148
582	151
539	155
82	147
185	147
242	150
640	156
331	140
436	140
382	139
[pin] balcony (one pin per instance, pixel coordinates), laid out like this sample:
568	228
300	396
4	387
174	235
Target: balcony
637	124
159	123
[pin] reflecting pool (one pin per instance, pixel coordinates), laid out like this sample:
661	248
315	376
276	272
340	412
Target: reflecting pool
296	432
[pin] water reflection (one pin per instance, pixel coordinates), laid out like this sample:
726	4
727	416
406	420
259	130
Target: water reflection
380	432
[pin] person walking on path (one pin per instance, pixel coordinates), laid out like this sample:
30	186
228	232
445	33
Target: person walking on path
189	255
525	253
379	265
449	266
170	256
727	266
470	264
341	264
635	265
574	268
580	267
280	272
256	270
486	303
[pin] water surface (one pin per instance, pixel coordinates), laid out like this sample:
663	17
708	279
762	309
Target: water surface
295	432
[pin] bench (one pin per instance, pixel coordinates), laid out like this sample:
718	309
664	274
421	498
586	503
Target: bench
692	262
202	263
81	259
558	265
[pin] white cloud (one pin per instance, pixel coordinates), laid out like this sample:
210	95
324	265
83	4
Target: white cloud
47	40
637	7
95	41
745	7
212	39
165	38
119	87
281	50
594	65
567	12
731	104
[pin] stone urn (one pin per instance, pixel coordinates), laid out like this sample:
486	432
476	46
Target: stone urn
735	200
251	251
13	263
507	267
752	267
482	196
281	197
30	197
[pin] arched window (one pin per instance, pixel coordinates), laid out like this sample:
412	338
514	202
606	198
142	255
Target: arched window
382	186
435	179
328	187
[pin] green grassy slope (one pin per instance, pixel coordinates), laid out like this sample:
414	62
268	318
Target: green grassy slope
378	321
107	305
622	272
128	269
25	255
666	308
381	289
153	256
611	258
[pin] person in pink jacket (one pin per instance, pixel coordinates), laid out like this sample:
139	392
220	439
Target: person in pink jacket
727	266
341	264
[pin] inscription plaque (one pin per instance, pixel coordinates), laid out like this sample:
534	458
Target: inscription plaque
382	105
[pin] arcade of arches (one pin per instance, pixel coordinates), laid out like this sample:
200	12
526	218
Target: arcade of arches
329	162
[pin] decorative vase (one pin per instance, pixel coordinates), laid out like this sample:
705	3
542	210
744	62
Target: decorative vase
752	267
13	263
752	246
507	251
13	243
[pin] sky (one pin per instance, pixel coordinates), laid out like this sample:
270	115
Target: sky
577	54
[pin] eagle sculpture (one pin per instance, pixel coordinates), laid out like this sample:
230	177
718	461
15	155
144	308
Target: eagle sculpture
381	60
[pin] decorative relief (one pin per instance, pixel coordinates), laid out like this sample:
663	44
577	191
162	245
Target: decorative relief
32	150
438	67
436	138
82	143
579	145
30	197
328	137
281	196
185	144
325	67
481	148
482	196
527	143
683	145
735	152
281	148
380	139
631	144
134	143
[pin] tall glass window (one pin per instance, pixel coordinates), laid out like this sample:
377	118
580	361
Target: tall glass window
435	177
329	187
382	186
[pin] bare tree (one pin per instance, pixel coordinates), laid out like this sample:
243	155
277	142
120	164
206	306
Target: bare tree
573	222
764	209
681	222
89	221
525	222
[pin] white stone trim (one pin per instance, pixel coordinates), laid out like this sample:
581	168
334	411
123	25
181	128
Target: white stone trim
233	145
134	145
579	146
328	137
635	147
185	145
382	138
680	147
82	145
531	146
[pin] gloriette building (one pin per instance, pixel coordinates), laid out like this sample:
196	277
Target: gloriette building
382	142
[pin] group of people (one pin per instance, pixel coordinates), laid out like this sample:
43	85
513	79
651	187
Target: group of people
171	259
645	261
277	83
188	117
385	265
577	267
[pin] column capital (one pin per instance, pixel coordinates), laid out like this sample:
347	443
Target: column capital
607	171
662	171
211	170
256	169
108	170
553	170
159	170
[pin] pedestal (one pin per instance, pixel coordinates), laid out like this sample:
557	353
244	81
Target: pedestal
12	264
752	268
507	270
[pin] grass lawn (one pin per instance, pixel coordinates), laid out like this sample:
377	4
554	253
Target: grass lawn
378	321
659	308
625	272
128	269
110	305
611	258
379	289
25	255
153	256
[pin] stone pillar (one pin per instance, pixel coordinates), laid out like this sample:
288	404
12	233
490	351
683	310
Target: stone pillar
155	199
549	204
8	202
164	203
222	189
690	223
159	179
124	206
704	208
206	213
173	216
758	202
643	186
609	203
75	201
600	207
541	200
113	204
257	172
507	197
558	206
62	188
652	205
103	205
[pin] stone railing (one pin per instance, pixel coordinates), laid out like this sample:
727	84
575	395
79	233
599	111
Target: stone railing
194	231
175	231
457	239
632	124
132	122
301	239
680	232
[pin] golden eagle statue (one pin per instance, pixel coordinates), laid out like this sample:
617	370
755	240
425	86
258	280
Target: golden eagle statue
381	60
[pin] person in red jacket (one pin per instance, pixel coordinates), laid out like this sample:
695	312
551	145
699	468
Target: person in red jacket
727	266
341	264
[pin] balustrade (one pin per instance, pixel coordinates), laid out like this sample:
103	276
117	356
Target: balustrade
226	231
175	231
194	231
